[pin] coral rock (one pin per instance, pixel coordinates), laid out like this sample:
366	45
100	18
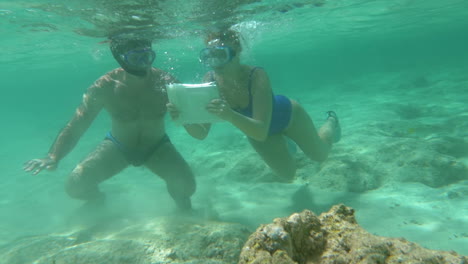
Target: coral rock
333	237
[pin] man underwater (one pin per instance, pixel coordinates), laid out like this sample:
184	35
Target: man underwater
134	96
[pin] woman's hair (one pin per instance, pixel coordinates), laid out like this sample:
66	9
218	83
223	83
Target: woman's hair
229	37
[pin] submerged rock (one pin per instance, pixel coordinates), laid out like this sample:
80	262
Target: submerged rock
333	237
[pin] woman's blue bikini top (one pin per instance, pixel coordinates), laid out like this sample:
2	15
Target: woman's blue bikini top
281	112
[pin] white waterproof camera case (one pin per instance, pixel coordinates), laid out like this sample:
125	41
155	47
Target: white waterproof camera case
191	101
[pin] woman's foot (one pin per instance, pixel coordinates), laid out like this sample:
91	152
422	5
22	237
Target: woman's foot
336	126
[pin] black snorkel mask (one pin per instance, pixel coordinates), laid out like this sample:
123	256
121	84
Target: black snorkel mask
135	56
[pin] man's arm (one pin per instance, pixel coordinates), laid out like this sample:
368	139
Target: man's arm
84	115
68	137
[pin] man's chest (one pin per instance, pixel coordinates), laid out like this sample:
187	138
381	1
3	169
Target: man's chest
135	104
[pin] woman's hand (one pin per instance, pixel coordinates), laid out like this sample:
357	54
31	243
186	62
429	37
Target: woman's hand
37	165
221	108
173	111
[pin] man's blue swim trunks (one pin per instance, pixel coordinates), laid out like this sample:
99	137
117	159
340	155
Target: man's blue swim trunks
136	158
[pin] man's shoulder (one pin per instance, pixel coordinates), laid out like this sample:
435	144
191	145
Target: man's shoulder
114	74
109	78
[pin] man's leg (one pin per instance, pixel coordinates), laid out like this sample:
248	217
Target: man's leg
168	164
101	164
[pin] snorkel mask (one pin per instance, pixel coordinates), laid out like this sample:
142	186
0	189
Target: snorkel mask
142	58
217	56
134	56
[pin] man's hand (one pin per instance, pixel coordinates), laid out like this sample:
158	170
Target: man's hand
173	111
37	165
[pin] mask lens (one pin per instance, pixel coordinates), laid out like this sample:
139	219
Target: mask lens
216	56
140	57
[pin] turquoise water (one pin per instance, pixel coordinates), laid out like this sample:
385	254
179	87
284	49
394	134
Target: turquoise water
371	61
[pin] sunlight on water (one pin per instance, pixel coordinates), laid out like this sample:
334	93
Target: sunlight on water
306	22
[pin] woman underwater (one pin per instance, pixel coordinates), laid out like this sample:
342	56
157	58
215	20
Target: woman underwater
247	102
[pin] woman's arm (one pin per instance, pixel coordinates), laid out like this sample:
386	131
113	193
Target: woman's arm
256	127
198	131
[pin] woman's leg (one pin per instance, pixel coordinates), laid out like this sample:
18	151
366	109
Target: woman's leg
274	151
316	145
